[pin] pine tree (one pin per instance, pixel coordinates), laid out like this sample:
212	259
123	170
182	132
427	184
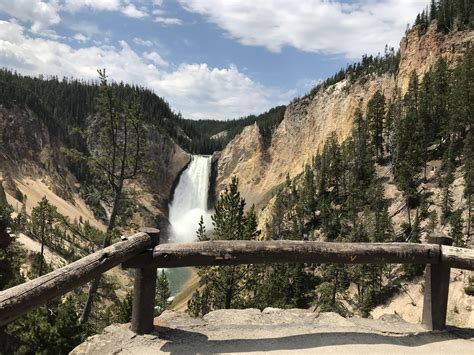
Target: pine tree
433	10
376	116
468	159
43	217
426	124
162	293
119	156
409	148
432	221
457	234
123	310
228	286
447	178
201	232
48	331
440	93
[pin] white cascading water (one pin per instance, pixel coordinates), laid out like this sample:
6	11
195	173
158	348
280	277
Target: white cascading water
188	205
190	201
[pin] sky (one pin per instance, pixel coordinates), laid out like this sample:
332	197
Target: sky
217	59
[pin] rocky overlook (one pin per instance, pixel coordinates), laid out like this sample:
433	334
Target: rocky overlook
294	331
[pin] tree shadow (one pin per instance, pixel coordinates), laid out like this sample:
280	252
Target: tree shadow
188	342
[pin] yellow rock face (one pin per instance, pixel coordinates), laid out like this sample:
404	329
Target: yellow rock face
308	122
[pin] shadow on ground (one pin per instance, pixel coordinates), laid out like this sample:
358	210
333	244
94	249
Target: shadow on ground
181	341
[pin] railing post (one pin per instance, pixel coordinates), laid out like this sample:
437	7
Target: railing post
143	307
435	301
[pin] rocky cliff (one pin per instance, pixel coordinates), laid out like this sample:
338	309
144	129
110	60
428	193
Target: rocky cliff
309	121
31	155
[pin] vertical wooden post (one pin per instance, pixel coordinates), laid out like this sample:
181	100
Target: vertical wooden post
435	301
143	307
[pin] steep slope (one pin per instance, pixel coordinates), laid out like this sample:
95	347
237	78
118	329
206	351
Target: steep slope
32	165
310	120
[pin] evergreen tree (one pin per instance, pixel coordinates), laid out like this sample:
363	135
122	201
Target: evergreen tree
201	232
426	124
447	178
123	311
440	91
118	157
457	234
376	116
408	148
227	286
43	217
468	159
48	331
162	293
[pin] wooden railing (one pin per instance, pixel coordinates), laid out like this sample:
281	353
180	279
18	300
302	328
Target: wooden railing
142	253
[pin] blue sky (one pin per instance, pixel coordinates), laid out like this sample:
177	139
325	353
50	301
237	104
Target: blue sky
209	58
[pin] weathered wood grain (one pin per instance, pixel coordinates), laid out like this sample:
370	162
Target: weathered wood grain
143	307
460	258
18	300
265	252
435	298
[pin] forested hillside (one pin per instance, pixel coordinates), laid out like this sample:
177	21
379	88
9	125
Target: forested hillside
383	151
342	196
65	105
402	171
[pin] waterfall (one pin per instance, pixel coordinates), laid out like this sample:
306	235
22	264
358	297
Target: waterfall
188	205
190	201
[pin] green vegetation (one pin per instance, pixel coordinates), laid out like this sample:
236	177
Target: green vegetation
470	288
68	106
162	293
451	15
119	156
339	197
369	64
227	286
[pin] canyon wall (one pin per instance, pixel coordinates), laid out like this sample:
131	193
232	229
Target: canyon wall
308	122
31	152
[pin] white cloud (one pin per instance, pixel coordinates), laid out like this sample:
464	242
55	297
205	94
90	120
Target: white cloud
131	10
142	42
126	7
335	27
41	14
99	5
205	92
155	58
168	20
80	38
87	28
197	90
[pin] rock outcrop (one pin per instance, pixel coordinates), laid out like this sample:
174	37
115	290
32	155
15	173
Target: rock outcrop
309	121
295	331
29	149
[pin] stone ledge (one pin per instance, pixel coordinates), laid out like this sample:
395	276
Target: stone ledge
278	331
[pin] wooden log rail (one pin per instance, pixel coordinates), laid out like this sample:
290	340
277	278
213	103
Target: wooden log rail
17	300
137	252
235	252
